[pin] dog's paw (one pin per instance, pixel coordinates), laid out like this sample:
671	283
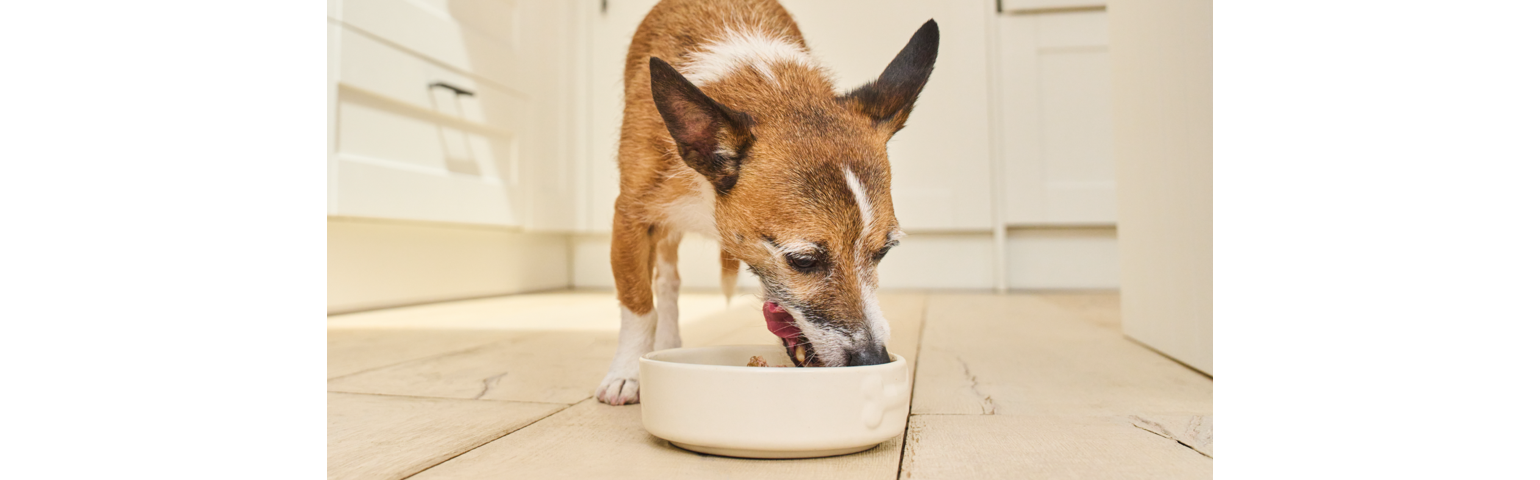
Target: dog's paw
617	390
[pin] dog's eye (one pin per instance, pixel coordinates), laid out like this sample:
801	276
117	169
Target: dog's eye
802	262
881	253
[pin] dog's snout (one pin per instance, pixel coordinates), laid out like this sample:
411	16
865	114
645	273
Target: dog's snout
872	354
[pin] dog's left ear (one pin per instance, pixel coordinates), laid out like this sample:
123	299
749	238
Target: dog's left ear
712	138
890	98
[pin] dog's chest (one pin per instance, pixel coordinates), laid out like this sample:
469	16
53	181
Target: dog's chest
694	210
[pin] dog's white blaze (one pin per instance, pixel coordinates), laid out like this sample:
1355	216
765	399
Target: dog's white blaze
742	48
861	200
859	191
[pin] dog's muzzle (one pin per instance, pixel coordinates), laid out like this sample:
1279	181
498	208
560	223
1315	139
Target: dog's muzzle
783	325
873	354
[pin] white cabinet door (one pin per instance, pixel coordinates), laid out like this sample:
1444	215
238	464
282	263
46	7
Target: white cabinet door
426	113
940	161
1056	119
1164	87
333	71
612	23
408	150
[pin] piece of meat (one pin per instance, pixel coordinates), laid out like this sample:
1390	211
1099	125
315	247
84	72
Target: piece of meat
757	361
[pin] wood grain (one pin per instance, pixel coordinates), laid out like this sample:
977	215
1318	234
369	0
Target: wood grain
1194	431
1011	447
381	437
552	367
1006	386
1024	355
350	351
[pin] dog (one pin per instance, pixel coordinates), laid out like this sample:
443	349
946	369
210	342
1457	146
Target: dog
731	130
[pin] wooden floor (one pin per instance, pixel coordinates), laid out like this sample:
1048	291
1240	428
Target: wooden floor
1006	386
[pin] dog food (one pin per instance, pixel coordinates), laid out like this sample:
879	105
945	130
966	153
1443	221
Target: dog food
757	361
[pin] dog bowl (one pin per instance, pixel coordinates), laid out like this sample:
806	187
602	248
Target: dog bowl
708	400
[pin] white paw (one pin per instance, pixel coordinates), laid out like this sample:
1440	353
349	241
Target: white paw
619	390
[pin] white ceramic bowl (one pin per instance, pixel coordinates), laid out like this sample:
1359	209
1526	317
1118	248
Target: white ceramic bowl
708	400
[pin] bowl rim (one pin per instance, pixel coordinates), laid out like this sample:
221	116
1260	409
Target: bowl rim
896	361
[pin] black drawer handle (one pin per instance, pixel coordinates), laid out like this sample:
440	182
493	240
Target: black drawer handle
452	88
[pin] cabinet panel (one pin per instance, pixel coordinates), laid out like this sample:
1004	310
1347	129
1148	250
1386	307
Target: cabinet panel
333	74
386	71
476	37
1056	119
551	61
1077	159
940	161
1037	5
1063	258
610	38
408	150
371	188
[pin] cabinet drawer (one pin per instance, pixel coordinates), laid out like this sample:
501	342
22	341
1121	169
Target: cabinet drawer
477	37
382	70
408	150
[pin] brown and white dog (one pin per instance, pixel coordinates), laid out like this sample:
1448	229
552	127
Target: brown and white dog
732	131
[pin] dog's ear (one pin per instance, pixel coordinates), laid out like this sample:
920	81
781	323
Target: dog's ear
890	98
712	138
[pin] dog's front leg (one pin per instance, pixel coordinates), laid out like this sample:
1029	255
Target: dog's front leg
666	292
631	249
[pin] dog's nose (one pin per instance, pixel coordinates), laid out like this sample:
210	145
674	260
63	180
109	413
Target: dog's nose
873	354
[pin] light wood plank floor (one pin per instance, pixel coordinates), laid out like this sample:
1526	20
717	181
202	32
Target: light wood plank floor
1006	386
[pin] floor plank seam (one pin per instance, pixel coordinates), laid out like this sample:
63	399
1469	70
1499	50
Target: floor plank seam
919	345
564	404
1149	426
456	352
483	444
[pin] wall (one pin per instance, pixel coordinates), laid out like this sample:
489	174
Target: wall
375	264
1162	79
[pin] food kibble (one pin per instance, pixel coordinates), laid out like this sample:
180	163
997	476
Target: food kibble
758	361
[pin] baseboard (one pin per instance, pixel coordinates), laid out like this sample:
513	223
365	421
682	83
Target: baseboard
1062	258
377	264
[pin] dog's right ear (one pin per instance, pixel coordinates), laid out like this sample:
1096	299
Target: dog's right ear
712	138
889	99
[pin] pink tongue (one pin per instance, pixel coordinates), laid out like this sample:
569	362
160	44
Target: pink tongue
780	322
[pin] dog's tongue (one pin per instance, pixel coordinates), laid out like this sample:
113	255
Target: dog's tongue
779	321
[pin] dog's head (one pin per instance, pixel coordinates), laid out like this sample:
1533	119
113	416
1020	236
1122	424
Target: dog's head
802	181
